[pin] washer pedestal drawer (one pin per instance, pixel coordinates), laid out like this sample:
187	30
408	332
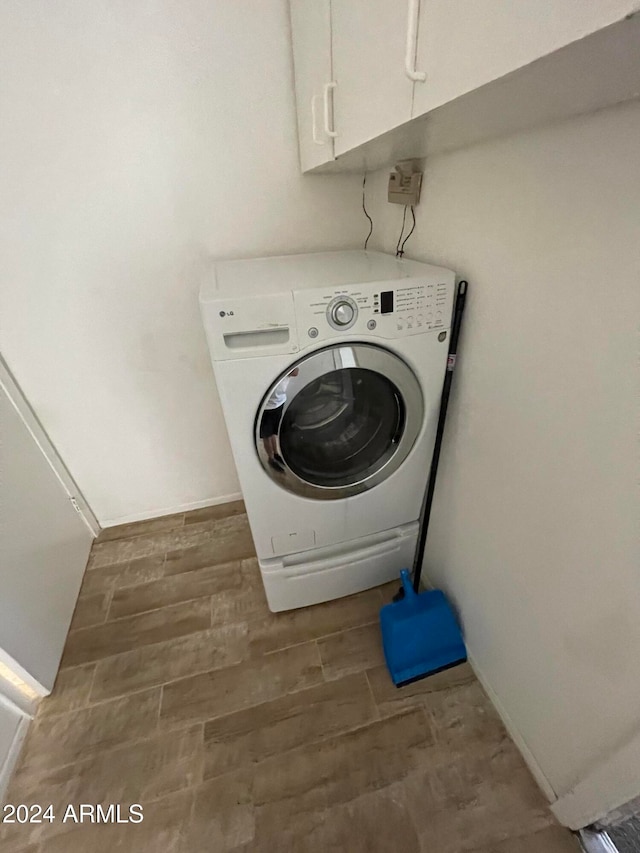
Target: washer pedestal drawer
323	574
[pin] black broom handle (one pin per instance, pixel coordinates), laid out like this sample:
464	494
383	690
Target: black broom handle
444	402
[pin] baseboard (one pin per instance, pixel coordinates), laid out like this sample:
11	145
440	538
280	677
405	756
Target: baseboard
158	513
11	758
514	734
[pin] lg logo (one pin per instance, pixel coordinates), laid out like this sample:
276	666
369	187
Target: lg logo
226	313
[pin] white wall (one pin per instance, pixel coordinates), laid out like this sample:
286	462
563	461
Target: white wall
536	521
137	138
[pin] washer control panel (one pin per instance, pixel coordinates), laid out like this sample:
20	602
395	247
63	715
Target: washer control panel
389	309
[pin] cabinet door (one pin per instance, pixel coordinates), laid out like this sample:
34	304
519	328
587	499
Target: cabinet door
463	45
311	35
373	93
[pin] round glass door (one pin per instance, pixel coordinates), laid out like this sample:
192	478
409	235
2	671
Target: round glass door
339	421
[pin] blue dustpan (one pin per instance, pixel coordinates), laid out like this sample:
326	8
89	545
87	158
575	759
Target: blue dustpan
420	634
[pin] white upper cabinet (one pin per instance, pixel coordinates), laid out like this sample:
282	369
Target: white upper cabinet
311	30
365	68
373	93
463	44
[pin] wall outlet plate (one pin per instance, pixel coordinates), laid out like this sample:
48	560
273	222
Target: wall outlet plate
404	186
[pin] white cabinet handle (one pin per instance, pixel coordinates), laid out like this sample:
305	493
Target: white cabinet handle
327	129
412	36
314	122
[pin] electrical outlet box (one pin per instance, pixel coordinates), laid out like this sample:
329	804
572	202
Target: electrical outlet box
405	183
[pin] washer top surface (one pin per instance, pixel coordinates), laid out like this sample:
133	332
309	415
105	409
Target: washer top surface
298	272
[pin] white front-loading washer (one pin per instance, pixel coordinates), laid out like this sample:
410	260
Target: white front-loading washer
329	367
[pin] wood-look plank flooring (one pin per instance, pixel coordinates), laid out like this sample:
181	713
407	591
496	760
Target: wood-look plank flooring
242	730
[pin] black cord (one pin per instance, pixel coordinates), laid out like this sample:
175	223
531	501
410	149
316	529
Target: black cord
413	228
364	181
404	219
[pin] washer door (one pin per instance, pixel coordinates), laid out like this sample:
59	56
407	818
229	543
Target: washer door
339	422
